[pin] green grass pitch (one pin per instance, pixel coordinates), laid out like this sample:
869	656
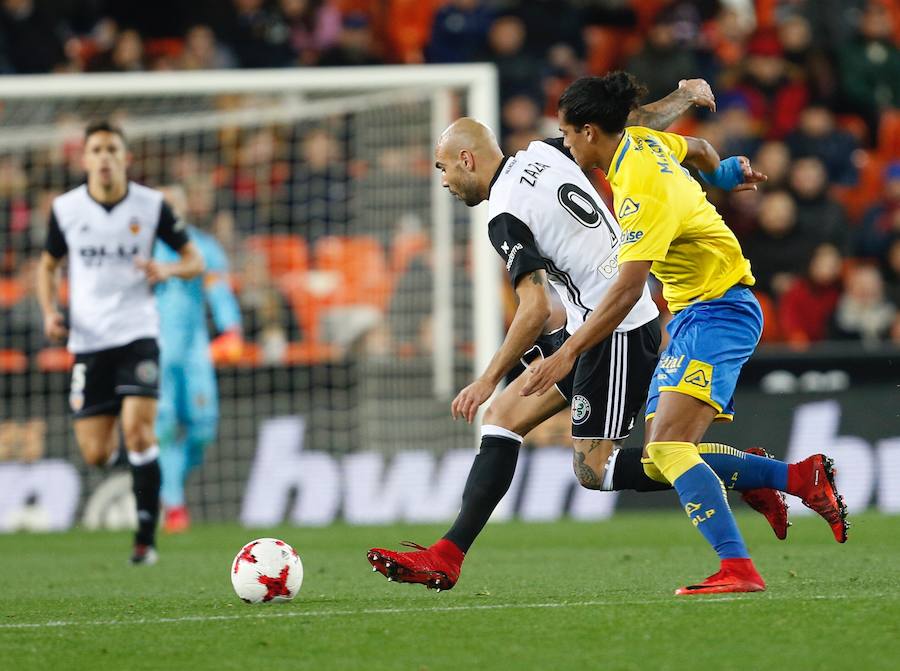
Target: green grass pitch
565	595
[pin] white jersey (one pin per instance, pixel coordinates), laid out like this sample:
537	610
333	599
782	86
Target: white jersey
111	303
545	214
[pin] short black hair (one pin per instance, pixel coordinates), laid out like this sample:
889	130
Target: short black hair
605	101
103	126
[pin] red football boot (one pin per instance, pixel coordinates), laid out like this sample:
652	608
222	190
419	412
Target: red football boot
437	567
735	575
177	520
768	502
813	481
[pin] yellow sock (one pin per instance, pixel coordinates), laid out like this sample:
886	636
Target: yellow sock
653	472
673	458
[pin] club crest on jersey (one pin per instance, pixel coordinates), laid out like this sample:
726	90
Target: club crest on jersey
581	409
134	225
627	208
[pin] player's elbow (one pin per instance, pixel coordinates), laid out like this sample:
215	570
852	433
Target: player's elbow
538	310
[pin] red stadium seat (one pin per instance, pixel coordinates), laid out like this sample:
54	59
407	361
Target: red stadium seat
284	253
55	360
13	361
11	292
360	264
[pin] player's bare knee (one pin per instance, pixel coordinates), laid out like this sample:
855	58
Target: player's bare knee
495	416
138	436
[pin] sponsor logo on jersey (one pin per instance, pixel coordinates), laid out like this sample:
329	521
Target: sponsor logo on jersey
581	409
671	363
631	236
512	254
95	255
628	207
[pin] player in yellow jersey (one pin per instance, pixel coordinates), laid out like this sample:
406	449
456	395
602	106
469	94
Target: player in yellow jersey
669	228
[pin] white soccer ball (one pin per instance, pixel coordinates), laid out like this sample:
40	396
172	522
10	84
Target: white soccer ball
265	570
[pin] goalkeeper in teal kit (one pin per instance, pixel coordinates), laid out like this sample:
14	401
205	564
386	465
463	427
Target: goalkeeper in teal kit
188	411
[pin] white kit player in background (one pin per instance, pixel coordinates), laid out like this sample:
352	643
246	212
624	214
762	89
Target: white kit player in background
107	228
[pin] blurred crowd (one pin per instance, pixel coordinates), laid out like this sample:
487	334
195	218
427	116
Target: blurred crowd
808	89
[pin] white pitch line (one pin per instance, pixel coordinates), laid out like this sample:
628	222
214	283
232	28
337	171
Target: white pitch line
397	611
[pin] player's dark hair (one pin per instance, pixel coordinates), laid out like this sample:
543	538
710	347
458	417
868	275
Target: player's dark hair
605	101
102	126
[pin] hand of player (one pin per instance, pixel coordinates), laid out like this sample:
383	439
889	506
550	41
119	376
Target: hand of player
55	327
155	272
467	402
751	176
542	375
699	93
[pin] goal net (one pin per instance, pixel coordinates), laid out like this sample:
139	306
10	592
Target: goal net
353	270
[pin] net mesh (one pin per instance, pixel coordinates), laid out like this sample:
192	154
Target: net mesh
322	202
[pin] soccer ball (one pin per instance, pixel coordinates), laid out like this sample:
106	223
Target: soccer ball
267	569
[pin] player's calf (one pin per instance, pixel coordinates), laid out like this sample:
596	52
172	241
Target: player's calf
592	463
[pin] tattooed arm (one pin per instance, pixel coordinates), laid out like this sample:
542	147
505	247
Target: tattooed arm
660	114
532	290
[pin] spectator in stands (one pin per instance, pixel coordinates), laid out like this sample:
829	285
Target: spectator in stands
520	116
516	67
817	135
740	131
548	25
863	313
819	217
882	221
355	45
33	39
21	326
126	55
774	160
776	92
806	308
319	188
203	52
870	65
891	267
315	26
459	32
663	59
409	28
796	37
257	35
266	317
15	211
778	249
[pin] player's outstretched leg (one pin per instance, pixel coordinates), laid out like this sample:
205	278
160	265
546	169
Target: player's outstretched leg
703	497
439	565
631	471
812	480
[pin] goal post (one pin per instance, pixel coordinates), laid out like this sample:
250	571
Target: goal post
245	141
